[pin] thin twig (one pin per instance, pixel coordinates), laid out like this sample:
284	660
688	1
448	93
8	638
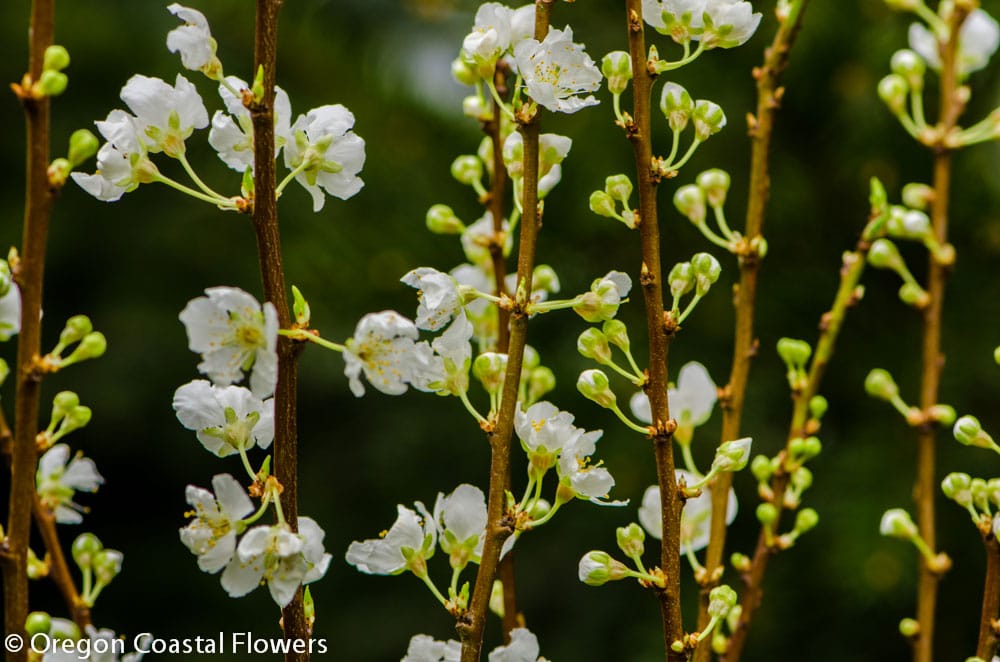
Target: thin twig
989	622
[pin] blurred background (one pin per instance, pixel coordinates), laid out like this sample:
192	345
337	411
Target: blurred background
132	265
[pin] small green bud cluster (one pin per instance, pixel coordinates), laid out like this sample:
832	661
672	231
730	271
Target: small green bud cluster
698	275
53	81
90	344
795	355
98	565
596	344
67	415
617	189
82	145
977	495
883	254
915	224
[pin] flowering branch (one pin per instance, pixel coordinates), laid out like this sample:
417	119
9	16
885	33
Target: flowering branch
769	95
639	134
28	275
498	528
265	222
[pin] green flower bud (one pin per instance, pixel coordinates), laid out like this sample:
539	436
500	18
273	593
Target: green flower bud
818	406
690	202
467	169
996	355
56	58
908	223
993	490
544	277
908	627
541	381
708	118
617	334
442	220
795	353
539	509
37	568
767	513
806	519
76	418
956	486
740	562
619	187
475	106
6	278
676	105
681	279
883	254
593	344
706	271
969	431
64	629
913	295
4	371
489	368
531	359
980	495
880	384
77	327
715	184
598	568
593	385
910	66
58	171
720	600
602	204
802	479
617	69
92	346
943	414
107	565
463	72
732	455
84	548
38	622
631	539
760	467
896	523
917	195
811	447
893	90
51	83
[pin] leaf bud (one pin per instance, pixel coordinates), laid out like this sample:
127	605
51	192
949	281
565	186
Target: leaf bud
442	220
708	118
880	384
56	58
893	90
715	184
631	539
617	69
593	344
896	523
619	187
593	385
467	169
300	308
676	105
602	204
690	201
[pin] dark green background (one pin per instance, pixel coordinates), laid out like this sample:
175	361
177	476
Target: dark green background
133	265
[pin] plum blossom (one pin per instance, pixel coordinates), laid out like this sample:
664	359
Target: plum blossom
384	555
556	70
276	555
696	517
605	296
438	295
728	23
461	521
423	648
324	153
490	36
122	161
211	535
476	239
978	40
193	41
231	134
384	348
10	309
227	419
443	366
691	402
588	481
523	647
56	482
545	430
681	19
234	334
165	115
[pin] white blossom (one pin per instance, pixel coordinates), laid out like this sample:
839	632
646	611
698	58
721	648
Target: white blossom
490	36
691	402
326	153
165	115
10	312
556	70
605	296
56	482
226	418
383	555
423	648
231	134
122	163
234	334
523	647
438	295
696	518
589	481
461	521
384	348
211	535
443	366
543	428
276	555
728	23
978	40
193	40
681	19
522	24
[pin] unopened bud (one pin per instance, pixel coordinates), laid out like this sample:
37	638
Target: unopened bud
818	406
598	568
489	368
593	344
467	169
681	279
92	346
943	414
475	107
913	295
767	513
883	254
51	83
706	271
676	105
720	600
806	519
908	627
896	523
300	308
56	58
880	384
463	72
65	630
84	548
442	220
619	187
77	327
541	381
956	486
617	69
708	118
593	385
617	334
917	196
690	201
760	467
893	90
107	565
795	353
715	184
38	622
732	455
631	539
910	66
602	204
82	145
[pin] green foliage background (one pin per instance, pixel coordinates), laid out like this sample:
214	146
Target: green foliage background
133	265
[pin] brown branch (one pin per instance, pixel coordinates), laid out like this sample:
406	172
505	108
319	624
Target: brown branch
769	94
58	567
639	134
29	276
472	625
265	222
989	622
